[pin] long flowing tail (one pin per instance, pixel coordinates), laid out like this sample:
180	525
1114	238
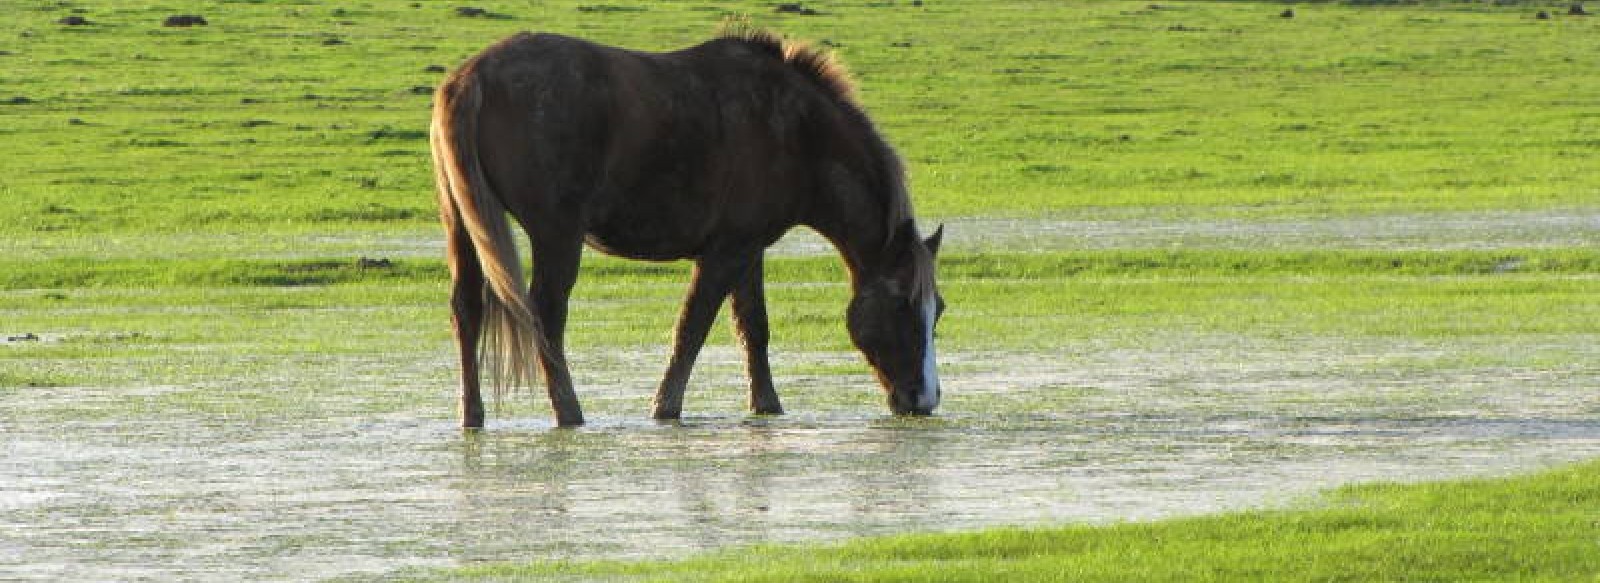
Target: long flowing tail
511	333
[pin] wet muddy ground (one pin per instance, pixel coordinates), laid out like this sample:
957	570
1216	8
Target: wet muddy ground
1105	433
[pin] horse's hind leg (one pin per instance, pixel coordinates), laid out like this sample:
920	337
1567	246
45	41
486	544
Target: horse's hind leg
750	319
555	269
466	304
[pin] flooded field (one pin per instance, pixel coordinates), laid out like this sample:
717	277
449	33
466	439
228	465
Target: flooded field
304	433
1096	230
125	489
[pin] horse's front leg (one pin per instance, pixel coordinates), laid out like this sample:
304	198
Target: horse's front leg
555	270
714	277
750	319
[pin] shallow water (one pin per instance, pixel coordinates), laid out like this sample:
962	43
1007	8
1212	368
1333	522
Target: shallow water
346	464
1431	231
1100	435
1084	230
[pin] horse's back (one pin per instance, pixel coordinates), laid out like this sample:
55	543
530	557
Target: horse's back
542	70
661	154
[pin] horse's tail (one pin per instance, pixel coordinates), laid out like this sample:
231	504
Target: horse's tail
511	333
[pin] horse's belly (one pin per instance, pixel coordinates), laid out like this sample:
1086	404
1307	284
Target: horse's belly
643	240
659	238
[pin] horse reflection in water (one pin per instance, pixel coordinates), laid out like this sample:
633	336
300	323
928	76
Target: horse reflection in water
709	154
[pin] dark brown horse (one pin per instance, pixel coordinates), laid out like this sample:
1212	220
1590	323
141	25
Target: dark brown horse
710	154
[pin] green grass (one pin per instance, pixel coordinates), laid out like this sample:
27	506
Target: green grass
1536	528
1015	108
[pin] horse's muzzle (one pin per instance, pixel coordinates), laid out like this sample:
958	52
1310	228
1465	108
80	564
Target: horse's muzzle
915	404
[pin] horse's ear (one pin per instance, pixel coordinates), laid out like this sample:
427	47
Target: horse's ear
933	240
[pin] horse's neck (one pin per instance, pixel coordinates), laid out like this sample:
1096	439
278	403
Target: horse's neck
860	191
859	230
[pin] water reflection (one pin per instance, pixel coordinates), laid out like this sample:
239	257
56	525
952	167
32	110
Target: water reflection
643	490
295	500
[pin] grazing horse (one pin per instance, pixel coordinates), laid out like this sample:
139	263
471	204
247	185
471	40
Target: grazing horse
709	154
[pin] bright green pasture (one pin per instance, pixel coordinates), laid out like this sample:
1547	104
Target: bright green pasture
1538	528
310	116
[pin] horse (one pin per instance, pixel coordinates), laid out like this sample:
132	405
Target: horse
708	154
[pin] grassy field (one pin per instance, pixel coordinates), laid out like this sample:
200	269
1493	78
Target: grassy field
236	222
1017	108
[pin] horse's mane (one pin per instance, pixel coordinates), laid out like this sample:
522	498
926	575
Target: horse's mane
817	64
821	67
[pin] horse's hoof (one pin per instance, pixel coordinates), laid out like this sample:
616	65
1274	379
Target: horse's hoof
576	421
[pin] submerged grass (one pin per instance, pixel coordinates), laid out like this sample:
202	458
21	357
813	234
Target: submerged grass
998	300
255	323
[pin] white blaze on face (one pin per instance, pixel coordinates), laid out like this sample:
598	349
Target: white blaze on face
930	376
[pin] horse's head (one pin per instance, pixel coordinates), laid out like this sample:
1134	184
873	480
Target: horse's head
892	317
